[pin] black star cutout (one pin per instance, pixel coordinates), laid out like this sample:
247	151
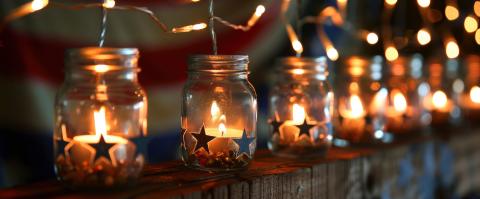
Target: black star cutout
202	139
276	126
368	119
304	128
61	144
141	144
102	148
244	143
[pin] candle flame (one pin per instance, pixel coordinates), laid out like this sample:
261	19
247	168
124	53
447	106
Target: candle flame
475	94
298	114
356	106
222	128
452	50
451	12
108	4
399	102
38	5
100	122
423	37
214	110
439	99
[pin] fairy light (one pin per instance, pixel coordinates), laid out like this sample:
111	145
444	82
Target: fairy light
190	28
452	50
296	44
476	8
38	5
423	3
470	24
423	36
451	12
332	53
391	2
477	36
372	38
109	4
391	53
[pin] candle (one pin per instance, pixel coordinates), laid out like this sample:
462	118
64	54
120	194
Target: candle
396	114
290	133
353	118
100	130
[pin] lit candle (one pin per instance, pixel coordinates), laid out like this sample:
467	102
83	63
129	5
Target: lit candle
223	136
440	107
472	99
290	133
100	130
396	112
353	118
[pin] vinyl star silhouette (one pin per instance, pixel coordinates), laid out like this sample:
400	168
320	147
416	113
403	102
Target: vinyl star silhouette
102	148
202	139
304	128
276	125
244	143
61	144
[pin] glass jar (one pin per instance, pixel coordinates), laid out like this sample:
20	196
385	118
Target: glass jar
219	113
405	113
361	101
469	100
100	119
301	108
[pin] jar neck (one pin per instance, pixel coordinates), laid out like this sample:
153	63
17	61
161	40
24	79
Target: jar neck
302	69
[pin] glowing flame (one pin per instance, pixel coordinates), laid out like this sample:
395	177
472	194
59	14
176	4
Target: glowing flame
297	46
39	4
423	37
372	38
332	53
439	99
356	106
470	24
451	12
100	130
423	3
399	102
108	4
214	110
391	2
222	128
391	53
101	68
452	50
100	121
298	71
298	114
475	94
190	28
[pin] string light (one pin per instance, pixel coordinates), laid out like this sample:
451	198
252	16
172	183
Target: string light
332	53
109	4
423	3
470	24
477	36
251	22
38	4
476	8
391	2
423	37
391	53
451	12
451	49
296	44
372	38
189	28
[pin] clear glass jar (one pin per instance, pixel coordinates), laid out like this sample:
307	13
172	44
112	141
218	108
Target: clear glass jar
405	113
301	108
219	113
100	119
360	101
469	100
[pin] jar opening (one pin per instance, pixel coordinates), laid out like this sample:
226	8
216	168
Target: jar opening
302	65
100	59
218	63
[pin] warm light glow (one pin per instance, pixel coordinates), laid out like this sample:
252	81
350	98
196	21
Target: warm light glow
298	71
332	53
452	50
423	3
475	94
391	53
356	106
470	24
109	3
222	128
190	28
451	12
476	8
399	102
439	99
214	110
100	130
298	114
297	46
100	121
194	1
101	68
39	4
372	38
391	2
423	37
258	13
477	36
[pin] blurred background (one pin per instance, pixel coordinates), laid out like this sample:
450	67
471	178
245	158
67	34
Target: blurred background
32	52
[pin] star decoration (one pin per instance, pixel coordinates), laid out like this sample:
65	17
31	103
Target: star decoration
368	119
64	144
202	139
304	128
102	148
244	143
61	146
276	125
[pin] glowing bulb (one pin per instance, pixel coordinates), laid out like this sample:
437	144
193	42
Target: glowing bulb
100	121
475	94
391	53
298	114
439	99
260	10
109	4
452	50
423	37
189	28
101	68
476	8
470	24
477	36
332	53
391	2
399	102
39	4
423	3
356	106
296	44
372	38
451	12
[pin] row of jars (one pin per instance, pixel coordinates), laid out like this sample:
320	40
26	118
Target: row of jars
101	110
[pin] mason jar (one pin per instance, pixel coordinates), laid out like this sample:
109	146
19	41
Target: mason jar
360	102
219	114
301	108
100	119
